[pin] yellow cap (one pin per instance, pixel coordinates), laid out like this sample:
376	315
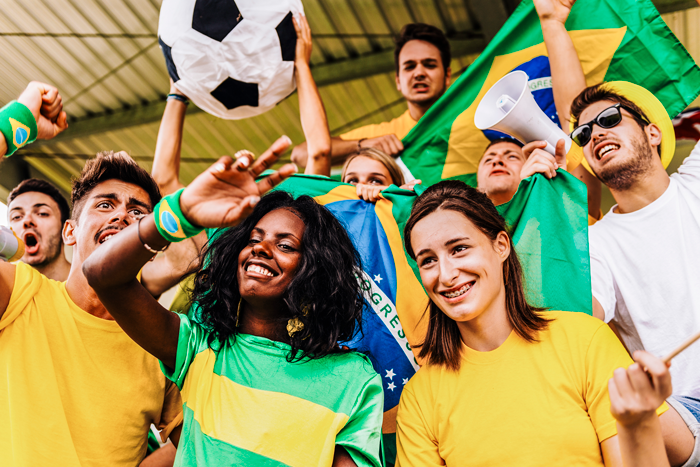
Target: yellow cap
652	108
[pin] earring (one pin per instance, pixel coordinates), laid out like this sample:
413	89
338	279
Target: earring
238	311
294	325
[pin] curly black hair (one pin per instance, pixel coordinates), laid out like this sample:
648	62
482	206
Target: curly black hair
325	294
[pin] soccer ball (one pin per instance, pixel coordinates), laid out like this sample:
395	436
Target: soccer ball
233	58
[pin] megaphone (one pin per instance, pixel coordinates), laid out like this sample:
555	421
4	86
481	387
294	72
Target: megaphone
11	247
509	107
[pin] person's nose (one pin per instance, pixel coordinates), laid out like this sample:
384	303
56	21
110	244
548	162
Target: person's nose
28	221
448	273
262	249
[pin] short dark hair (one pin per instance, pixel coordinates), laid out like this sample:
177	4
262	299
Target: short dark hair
110	165
427	33
32	185
504	140
324	295
443	343
599	92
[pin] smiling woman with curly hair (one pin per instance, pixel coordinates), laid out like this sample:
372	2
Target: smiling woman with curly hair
263	379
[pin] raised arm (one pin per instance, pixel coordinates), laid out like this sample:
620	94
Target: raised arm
166	162
568	79
311	110
221	196
46	106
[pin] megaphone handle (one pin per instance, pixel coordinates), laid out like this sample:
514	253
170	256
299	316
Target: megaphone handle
550	149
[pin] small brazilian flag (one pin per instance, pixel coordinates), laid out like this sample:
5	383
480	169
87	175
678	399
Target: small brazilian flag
396	301
622	40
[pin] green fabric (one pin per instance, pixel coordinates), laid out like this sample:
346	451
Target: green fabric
18	126
548	222
170	221
649	55
343	383
389	449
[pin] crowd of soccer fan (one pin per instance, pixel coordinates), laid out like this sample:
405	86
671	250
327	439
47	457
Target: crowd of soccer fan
249	370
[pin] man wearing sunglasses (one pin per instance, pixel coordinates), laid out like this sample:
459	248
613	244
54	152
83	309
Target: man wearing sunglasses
645	252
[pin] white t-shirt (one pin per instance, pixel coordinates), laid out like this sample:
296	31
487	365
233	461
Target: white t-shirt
645	273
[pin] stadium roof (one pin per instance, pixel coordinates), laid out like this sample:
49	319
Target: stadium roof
103	55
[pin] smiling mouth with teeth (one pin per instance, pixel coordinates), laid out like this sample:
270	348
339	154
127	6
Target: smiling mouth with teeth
461	291
259	270
606	149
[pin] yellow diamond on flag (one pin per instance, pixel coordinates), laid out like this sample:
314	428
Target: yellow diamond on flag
20	133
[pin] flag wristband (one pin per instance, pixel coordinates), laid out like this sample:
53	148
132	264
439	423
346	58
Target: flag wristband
170	221
17	125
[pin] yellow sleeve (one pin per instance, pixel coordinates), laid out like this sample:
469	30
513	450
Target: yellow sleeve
605	354
400	126
171	415
416	444
28	281
592	220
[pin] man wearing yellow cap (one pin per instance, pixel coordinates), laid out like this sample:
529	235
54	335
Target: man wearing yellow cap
644	252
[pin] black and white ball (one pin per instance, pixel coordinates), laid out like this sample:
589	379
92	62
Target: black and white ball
233	58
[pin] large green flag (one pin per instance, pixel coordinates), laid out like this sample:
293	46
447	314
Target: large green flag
615	40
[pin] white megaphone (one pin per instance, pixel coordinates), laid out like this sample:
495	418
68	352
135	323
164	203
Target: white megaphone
11	247
509	107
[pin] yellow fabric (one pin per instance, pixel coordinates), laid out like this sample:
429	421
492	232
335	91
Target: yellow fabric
76	390
181	301
592	220
524	404
283	411
400	126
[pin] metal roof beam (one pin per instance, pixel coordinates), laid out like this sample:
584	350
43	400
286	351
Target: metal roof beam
346	70
491	14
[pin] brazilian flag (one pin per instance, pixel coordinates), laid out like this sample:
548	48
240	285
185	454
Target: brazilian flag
622	40
396	301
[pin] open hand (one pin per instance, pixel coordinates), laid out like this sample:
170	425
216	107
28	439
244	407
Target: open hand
226	193
539	160
635	394
557	10
304	43
46	104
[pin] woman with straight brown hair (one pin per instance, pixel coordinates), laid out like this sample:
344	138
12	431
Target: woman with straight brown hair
506	383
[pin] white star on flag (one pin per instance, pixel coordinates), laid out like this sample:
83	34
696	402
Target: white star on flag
377	278
405	380
390	374
391	386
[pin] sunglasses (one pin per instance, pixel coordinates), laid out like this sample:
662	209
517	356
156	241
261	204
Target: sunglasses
608	118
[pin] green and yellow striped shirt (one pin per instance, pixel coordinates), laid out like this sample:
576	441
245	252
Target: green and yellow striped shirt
246	405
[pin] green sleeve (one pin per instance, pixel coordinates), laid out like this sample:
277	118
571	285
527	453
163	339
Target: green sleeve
362	434
190	342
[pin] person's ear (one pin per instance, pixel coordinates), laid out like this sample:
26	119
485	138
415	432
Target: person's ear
448	76
398	82
502	245
654	135
68	232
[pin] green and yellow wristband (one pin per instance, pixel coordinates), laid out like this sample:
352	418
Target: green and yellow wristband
170	221
17	125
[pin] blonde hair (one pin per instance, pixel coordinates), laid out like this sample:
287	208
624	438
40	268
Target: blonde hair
379	156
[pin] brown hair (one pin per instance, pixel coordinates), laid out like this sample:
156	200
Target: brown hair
597	93
110	165
34	185
427	33
379	156
443	343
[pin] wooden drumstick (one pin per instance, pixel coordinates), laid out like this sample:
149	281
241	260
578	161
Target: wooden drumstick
682	347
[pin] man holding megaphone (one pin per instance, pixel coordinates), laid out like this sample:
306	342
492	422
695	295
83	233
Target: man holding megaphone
509	107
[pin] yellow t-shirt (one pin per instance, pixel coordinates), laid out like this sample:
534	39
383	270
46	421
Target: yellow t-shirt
75	390
400	126
524	404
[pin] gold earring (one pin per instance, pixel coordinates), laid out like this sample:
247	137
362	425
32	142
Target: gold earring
294	325
238	311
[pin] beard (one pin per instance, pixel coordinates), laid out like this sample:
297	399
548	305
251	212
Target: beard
622	176
52	250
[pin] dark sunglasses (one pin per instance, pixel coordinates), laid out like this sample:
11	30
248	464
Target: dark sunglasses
608	118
